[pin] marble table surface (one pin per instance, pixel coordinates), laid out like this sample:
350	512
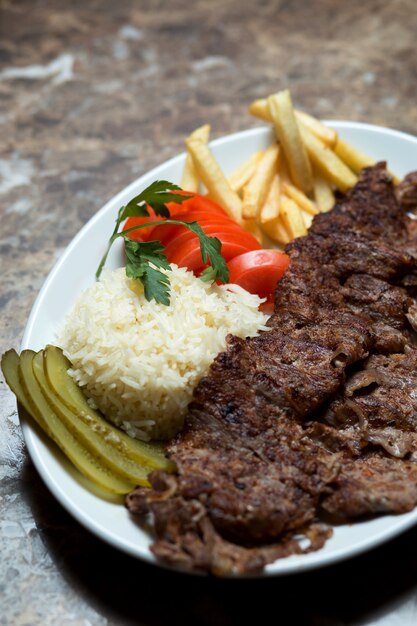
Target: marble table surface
93	94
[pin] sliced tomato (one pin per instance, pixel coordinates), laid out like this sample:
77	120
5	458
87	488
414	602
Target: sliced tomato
142	234
197	202
258	271
200	206
168	232
232	233
189	254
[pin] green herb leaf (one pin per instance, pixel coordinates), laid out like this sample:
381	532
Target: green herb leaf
156	195
208	275
211	250
140	259
145	259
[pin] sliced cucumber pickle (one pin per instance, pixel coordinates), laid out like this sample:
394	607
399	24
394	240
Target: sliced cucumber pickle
89	464
10	368
106	448
66	390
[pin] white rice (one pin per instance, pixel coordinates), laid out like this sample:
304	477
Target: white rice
139	361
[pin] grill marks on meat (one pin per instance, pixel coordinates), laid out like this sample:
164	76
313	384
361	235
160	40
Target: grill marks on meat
316	414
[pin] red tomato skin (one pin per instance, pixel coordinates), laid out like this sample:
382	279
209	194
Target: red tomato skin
224	232
142	234
195	203
258	271
189	255
166	233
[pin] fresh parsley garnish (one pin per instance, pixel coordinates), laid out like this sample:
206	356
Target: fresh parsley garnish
144	260
139	256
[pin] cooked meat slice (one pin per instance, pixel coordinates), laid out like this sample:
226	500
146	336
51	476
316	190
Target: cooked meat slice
256	462
189	540
383	302
385	305
382	394
406	192
279	374
379	218
349	441
373	485
350	252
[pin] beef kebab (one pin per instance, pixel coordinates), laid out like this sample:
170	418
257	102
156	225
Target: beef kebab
315	417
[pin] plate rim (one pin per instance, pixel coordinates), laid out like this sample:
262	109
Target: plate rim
30	432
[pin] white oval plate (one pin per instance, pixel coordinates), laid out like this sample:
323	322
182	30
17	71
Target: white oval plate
75	271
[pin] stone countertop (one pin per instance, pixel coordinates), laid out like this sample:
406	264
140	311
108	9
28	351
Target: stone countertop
92	95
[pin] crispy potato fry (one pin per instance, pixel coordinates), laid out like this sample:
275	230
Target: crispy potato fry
254	194
214	179
300	198
259	108
353	158
326	134
288	133
327	162
276	230
190	180
323	194
308	218
283	171
270	208
292	217
242	175
253	227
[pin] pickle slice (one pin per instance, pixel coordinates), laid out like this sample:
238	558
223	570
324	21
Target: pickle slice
56	367
10	368
88	464
108	448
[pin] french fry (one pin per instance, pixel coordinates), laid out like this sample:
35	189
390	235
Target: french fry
353	158
270	208
292	217
190	180
300	198
241	176
288	133
259	108
283	171
323	194
327	162
253	227
254	193
276	230
356	159
308	218
326	134
214	179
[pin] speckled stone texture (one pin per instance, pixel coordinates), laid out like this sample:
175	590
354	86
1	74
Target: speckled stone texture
93	94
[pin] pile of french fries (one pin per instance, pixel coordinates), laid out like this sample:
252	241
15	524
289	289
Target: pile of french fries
276	192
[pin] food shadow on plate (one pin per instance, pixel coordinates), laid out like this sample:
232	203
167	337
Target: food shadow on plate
127	591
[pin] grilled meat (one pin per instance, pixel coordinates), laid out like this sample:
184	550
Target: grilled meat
314	415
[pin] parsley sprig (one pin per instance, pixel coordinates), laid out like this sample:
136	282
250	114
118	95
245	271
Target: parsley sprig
144	260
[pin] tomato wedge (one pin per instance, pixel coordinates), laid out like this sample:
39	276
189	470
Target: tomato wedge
224	232
143	233
258	271
196	203
168	232
189	254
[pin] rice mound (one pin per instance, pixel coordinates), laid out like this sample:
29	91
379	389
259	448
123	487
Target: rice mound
139	361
